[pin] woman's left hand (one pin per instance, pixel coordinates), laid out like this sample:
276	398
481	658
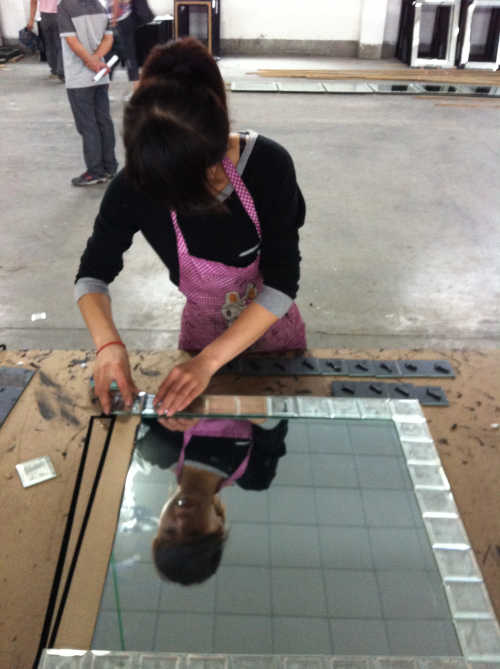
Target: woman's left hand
184	383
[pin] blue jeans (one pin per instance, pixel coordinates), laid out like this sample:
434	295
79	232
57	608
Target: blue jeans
90	107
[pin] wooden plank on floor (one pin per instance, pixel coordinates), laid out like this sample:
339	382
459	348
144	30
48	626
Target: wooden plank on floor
454	76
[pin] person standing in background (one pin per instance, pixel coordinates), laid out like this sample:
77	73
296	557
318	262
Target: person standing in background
50	32
86	38
123	19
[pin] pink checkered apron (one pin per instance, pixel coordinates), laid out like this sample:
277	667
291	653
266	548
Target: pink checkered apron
217	293
219	427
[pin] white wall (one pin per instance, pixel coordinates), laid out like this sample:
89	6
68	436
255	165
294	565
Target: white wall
14	15
291	19
373	14
337	20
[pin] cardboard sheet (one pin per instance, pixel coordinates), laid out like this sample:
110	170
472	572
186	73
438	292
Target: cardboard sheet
99	433
84	597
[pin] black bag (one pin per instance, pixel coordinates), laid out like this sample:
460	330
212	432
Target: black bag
142	12
29	40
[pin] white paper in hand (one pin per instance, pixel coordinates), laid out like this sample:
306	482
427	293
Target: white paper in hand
110	63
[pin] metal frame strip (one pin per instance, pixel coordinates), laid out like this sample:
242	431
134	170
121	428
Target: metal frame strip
466	44
451	44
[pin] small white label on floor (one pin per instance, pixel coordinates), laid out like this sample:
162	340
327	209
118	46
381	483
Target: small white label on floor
36	471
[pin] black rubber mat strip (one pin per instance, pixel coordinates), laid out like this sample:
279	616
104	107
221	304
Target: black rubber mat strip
427	395
332	367
426	368
309	366
360	368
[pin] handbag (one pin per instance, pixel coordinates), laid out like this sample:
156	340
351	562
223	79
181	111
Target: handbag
29	40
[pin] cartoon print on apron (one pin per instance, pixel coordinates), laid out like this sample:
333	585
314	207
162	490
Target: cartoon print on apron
216	293
235	303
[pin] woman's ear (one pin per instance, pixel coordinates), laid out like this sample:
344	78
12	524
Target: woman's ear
155	544
220	509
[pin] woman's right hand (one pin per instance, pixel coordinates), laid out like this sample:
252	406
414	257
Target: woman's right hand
178	424
112	364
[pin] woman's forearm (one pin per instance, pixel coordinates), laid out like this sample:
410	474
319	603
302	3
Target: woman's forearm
96	311
252	323
189	379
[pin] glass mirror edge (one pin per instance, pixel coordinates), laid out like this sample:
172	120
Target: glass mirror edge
475	621
77	659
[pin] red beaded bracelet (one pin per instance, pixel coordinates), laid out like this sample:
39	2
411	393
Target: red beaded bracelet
110	343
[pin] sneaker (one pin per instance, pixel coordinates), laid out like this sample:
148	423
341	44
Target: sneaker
110	175
53	75
87	179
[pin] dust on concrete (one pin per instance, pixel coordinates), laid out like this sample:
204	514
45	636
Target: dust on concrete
69	417
47	381
45	410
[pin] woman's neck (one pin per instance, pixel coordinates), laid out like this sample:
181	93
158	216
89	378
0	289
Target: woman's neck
199	481
218	177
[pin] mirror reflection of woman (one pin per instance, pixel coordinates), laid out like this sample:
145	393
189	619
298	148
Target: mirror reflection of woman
206	456
221	209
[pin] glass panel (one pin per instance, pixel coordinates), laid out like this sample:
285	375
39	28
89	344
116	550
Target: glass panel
254	86
318	548
457	565
301	87
440	89
397	87
481	91
347	87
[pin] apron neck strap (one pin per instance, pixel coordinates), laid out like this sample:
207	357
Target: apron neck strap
238	473
242	192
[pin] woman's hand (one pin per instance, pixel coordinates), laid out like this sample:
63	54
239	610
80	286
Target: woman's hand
184	383
112	364
178	424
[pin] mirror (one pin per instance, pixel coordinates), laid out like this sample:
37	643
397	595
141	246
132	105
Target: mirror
326	550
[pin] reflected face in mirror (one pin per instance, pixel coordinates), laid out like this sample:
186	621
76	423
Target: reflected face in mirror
191	534
205	456
189	515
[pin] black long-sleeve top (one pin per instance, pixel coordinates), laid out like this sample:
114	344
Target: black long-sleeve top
231	238
161	447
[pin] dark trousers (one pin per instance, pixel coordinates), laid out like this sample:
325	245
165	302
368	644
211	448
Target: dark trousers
90	107
53	50
126	30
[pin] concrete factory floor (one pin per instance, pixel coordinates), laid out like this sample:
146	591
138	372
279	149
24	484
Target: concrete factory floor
400	245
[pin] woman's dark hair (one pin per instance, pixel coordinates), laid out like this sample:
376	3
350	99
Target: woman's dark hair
176	126
189	563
